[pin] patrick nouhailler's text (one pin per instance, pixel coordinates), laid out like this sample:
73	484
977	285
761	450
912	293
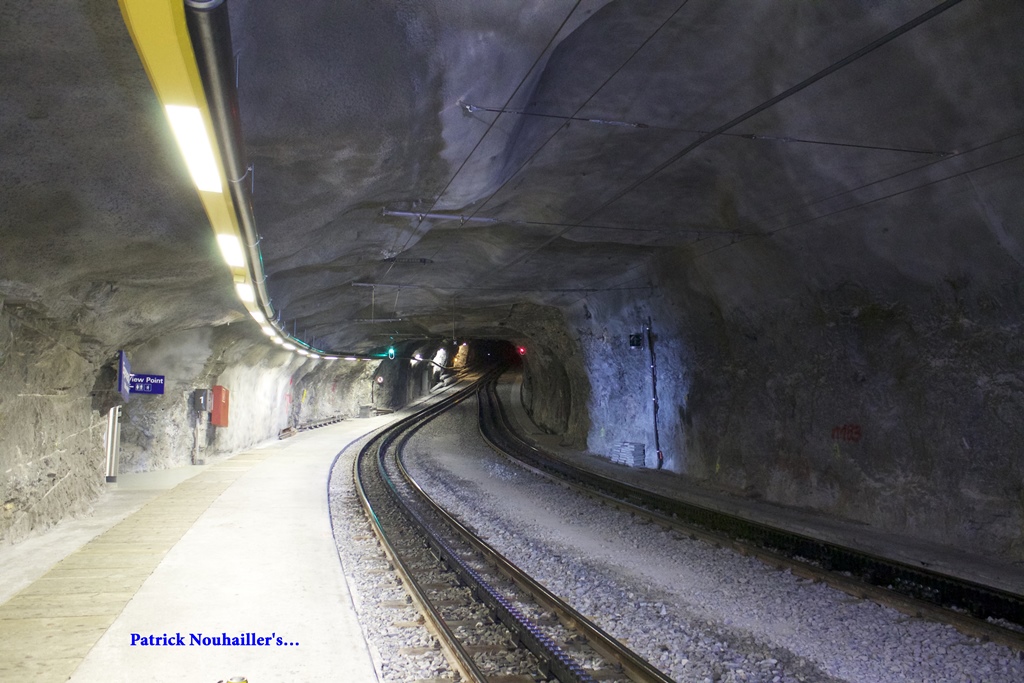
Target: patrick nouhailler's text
207	640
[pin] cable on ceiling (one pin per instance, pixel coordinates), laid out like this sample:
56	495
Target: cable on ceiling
522	81
1004	137
572	226
746	236
445	288
785	94
587	101
896	194
745	136
861	204
621	282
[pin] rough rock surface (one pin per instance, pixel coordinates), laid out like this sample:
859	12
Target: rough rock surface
832	268
50	462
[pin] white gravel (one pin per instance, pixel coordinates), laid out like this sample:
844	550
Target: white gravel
699	613
382	604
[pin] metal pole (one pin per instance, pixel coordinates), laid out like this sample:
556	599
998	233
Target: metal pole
196	460
654	392
113	442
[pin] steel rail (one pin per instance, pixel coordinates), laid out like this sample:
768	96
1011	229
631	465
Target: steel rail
553	660
456	654
910	589
635	667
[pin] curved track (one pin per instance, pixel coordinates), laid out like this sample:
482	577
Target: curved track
968	606
490	618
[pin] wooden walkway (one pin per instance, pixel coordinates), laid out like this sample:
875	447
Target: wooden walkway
49	627
244	546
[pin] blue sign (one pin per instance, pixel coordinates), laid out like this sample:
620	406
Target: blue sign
124	375
147	384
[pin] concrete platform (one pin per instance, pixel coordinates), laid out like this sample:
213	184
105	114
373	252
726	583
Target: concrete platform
911	551
243	546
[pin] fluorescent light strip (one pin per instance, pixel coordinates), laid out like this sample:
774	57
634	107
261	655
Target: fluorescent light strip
231	250
245	292
288	347
190	132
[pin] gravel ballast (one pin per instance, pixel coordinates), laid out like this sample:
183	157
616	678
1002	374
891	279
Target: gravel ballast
400	649
698	612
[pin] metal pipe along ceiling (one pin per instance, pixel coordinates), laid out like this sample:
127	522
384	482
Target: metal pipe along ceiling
210	32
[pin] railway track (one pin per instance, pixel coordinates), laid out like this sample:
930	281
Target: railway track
493	622
968	606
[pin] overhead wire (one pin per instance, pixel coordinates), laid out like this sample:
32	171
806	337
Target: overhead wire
897	193
966	172
453	288
672	230
789	92
1003	137
746	136
622	283
744	237
861	204
892	35
580	108
479	142
785	94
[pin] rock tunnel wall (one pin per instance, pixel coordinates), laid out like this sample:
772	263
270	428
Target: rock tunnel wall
556	383
895	412
51	462
896	406
55	389
407	378
269	391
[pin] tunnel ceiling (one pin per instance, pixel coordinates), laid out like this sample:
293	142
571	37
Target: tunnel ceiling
569	142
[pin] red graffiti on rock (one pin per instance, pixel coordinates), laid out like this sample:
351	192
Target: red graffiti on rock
850	432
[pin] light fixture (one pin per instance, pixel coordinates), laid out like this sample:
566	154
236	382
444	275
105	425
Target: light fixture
302	352
268	330
288	347
351	358
277	340
314	355
245	292
258	317
190	132
231	250
330	358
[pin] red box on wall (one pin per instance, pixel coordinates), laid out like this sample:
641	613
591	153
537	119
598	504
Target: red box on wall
221	401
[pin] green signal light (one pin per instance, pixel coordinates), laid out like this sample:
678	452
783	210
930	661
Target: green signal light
391	353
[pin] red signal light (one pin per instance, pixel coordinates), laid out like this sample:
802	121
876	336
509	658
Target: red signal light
522	350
